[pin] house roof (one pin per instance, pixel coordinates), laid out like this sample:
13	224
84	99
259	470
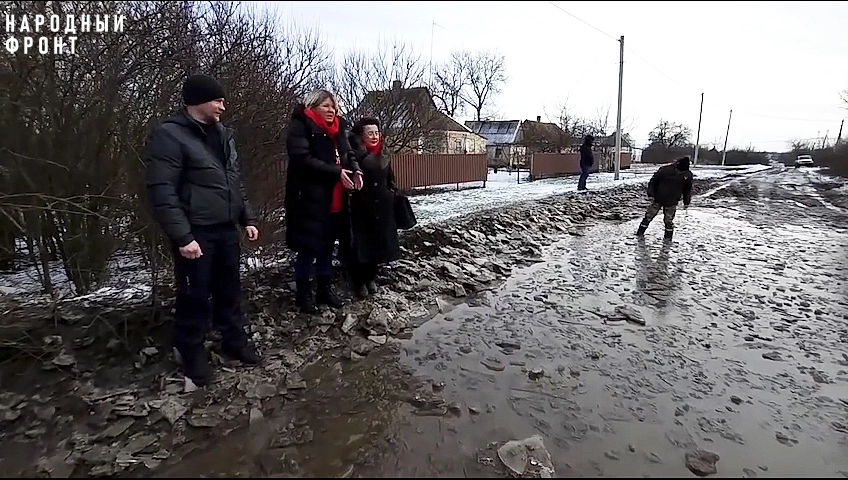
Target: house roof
496	131
543	131
609	140
419	102
505	132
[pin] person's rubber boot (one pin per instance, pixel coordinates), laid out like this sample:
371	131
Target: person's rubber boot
194	362
303	297
669	234
357	286
641	231
325	294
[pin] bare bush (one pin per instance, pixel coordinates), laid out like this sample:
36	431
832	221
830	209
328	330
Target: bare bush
75	125
802	146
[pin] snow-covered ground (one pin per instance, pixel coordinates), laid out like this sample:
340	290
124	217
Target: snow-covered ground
129	281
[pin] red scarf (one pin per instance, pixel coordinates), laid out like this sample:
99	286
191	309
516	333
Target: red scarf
375	149
332	130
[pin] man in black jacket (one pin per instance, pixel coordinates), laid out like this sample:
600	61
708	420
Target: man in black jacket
587	159
665	189
195	189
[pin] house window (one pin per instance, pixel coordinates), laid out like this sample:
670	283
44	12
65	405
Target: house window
498	152
458	146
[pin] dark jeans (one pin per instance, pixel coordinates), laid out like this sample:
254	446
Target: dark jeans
584	175
303	265
323	260
215	273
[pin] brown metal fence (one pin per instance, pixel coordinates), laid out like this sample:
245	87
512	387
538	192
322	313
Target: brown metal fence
626	160
427	170
554	164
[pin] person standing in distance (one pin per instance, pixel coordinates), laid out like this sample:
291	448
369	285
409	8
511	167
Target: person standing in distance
587	159
195	189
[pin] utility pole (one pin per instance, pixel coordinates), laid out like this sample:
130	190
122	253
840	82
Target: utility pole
724	150
839	137
698	135
824	142
618	120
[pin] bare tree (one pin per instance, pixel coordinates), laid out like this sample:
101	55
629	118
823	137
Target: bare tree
564	116
449	80
486	76
844	97
600	124
670	135
386	84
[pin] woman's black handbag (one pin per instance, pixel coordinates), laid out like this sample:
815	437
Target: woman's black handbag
404	216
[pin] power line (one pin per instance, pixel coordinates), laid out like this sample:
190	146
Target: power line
626	47
687	88
787	118
583	21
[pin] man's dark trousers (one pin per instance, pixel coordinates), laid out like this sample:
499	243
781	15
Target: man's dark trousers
584	175
215	273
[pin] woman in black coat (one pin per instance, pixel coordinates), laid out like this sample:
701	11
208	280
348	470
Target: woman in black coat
374	238
320	172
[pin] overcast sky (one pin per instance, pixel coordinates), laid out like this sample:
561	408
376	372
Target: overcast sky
779	65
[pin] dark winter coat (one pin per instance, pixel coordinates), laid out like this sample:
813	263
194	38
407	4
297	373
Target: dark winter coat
372	210
669	185
587	158
311	177
193	177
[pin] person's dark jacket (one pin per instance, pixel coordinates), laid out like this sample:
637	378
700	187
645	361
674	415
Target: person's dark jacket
192	179
587	159
311	177
669	185
374	236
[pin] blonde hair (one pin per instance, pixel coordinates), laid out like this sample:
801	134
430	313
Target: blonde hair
317	97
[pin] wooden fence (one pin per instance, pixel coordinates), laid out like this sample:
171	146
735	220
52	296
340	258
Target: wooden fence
556	164
429	170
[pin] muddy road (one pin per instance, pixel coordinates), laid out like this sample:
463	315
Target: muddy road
742	353
627	357
719	353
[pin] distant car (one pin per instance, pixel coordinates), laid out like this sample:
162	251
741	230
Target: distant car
804	161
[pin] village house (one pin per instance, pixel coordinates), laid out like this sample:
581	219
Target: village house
511	143
413	124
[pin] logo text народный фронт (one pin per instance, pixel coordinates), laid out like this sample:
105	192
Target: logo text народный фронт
71	26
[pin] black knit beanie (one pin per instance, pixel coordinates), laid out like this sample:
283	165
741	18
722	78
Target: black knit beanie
683	164
199	89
